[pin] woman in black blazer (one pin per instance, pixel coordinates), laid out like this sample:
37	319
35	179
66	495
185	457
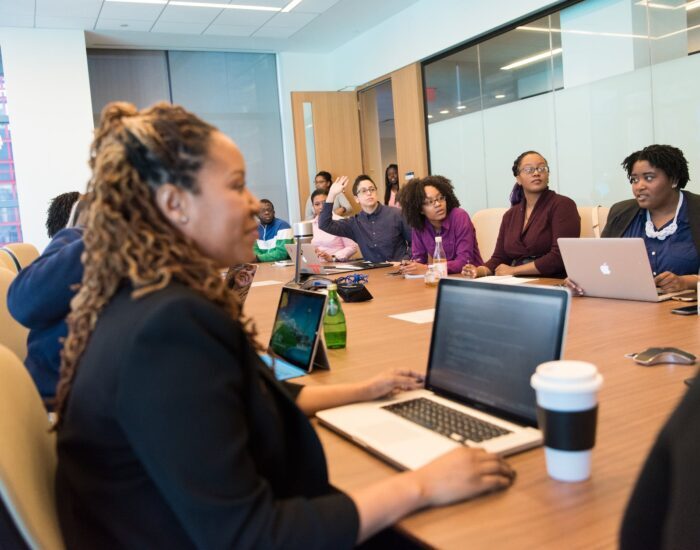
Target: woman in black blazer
171	432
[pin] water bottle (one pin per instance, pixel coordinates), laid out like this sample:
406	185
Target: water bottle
334	327
439	260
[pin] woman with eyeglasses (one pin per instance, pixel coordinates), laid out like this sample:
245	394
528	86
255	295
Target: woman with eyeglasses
527	239
663	214
431	208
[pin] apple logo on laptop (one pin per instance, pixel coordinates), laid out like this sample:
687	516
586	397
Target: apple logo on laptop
605	269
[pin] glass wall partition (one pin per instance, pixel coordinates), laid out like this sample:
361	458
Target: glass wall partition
585	86
237	92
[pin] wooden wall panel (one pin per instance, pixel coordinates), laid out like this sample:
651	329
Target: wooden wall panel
336	136
371	141
409	119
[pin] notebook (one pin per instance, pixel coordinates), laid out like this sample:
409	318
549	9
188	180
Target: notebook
611	268
295	342
487	341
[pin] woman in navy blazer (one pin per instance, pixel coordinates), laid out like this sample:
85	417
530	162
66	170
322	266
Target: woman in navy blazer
171	432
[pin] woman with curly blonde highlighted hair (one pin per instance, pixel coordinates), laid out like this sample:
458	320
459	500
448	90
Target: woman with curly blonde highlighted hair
172	433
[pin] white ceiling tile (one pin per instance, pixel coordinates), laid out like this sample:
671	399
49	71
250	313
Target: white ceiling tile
275	32
230	30
244	18
15	7
179	28
134	12
296	20
68	8
314	6
64	22
185	14
104	24
17	20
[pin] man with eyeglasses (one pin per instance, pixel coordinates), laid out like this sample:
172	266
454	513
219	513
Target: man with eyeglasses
379	230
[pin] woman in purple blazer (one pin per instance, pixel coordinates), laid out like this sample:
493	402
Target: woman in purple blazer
431	208
527	240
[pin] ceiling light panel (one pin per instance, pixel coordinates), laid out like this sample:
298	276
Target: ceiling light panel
181	14
105	24
68	8
241	18
133	12
222	6
177	27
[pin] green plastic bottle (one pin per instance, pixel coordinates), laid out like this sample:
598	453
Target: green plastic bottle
334	327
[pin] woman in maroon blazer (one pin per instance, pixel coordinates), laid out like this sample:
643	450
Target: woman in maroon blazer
527	240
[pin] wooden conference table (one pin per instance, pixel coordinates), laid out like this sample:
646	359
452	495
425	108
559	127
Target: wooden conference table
536	512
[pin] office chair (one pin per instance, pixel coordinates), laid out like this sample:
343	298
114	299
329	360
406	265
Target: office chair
24	252
487	223
8	261
12	334
593	219
27	457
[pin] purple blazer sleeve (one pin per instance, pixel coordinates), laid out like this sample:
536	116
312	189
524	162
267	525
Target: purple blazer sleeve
565	222
419	253
466	247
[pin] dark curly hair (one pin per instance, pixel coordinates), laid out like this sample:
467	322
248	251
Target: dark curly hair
59	211
664	157
412	195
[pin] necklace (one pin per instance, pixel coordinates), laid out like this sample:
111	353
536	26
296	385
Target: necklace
667	231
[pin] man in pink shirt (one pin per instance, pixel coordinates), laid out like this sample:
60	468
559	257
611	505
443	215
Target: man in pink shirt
329	247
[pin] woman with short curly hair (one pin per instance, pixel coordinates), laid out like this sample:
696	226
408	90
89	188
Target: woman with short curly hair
431	208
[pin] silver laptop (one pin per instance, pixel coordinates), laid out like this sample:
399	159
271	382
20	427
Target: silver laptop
312	264
487	341
611	268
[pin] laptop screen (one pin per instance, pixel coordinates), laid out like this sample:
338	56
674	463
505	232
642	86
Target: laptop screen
299	316
488	340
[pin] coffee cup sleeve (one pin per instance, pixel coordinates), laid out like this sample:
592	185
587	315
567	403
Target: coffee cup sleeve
568	430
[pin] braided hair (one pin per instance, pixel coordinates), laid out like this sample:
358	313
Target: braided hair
664	157
413	194
127	238
59	212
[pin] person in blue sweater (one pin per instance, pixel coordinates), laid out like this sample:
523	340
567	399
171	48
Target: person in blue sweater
39	298
273	234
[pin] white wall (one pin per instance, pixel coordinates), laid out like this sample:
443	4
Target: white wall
50	116
421	30
297	73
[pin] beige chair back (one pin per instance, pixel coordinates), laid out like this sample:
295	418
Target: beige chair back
12	334
27	457
487	224
24	252
7	261
593	219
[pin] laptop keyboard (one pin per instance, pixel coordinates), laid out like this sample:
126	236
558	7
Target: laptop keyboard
445	420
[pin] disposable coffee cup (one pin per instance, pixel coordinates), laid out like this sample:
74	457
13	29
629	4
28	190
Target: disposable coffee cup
567	414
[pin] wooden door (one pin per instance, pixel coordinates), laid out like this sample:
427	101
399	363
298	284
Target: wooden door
333	140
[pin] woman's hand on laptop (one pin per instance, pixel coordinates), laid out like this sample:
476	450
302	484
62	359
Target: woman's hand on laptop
461	474
670	282
390	383
324	255
573	287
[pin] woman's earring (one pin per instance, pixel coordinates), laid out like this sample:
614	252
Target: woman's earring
184	219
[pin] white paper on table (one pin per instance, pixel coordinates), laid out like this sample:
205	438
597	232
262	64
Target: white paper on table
504	279
266	283
419	317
